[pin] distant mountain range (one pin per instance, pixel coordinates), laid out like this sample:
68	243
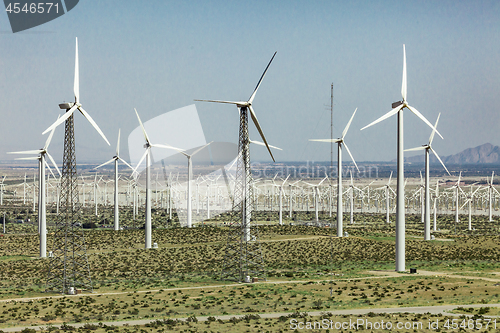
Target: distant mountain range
483	154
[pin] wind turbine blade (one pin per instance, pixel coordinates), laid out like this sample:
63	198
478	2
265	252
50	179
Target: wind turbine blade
433	131
285	180
326	177
352	158
444	166
54	163
105	163
89	118
256	122
125	162
196	151
48	167
140	161
118	144
416	148
260	81
28	158
47	143
404	84
352	182
348	124
27	152
418	114
390	178
326	140
164	146
476	190
76	87
385	116
61	119
262	144
142	127
218	101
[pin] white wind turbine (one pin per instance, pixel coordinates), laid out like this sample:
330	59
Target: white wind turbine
42	216
387	187
427	205
470	196
2	188
190	176
115	159
340	142
398	108
457	193
281	200
147	155
316	196
491	189
243	147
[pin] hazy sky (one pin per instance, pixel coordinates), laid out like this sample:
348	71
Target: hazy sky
158	56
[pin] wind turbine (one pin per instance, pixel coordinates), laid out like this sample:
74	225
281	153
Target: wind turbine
387	188
427	207
115	159
42	215
457	193
2	188
281	200
244	151
470	196
491	189
190	176
339	142
316	196
398	108
147	155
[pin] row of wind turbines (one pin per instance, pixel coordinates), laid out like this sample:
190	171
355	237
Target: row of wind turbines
245	107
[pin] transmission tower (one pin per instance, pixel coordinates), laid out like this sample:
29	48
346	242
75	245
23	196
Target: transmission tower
68	265
243	255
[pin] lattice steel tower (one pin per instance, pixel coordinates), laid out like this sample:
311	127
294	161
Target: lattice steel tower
243	255
68	265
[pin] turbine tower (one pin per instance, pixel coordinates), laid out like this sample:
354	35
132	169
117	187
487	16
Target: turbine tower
243	256
398	108
115	159
42	216
427	205
190	176
147	155
69	267
340	142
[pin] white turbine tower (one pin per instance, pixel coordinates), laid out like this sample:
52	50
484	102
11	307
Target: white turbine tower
147	155
457	193
190	176
427	205
115	159
400	202
42	216
491	189
340	142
